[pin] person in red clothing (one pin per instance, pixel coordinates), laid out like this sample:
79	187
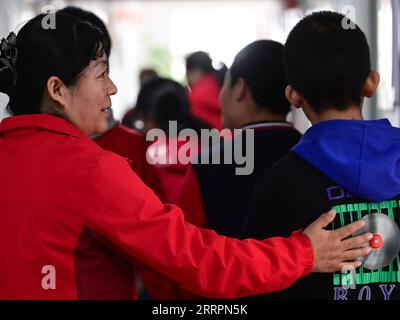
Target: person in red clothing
69	208
161	101
205	84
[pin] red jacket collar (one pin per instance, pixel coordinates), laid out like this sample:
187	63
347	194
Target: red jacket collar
43	121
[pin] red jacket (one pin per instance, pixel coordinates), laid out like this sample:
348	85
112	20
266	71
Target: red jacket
130	144
68	204
204	101
172	178
169	170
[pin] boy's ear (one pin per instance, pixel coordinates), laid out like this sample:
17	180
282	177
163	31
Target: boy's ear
239	90
57	91
294	97
371	84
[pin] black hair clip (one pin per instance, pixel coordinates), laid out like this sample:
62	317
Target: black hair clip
8	54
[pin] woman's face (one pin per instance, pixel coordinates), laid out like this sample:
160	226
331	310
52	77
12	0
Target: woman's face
90	103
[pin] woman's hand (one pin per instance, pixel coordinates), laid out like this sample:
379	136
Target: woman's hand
333	250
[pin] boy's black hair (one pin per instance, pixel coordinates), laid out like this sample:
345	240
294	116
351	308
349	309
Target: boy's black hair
327	62
260	65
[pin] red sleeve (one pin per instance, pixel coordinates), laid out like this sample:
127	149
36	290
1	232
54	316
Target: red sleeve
130	144
135	147
129	214
189	200
150	178
161	288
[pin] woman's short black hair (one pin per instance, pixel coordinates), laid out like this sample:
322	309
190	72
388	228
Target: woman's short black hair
163	100
260	65
327	60
64	51
93	19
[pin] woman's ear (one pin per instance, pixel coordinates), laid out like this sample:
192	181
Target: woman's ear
57	91
294	97
371	84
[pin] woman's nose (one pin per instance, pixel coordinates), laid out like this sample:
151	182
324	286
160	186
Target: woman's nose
113	88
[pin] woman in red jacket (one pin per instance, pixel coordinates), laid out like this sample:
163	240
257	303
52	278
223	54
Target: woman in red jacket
74	218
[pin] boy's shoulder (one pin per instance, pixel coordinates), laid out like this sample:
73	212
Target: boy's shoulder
296	178
291	166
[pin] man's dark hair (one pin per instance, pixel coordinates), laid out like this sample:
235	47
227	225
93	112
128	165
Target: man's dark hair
260	65
326	62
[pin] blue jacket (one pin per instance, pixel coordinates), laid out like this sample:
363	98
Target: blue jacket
361	156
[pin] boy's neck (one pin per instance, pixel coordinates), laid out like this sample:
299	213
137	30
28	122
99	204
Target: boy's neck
267	116
254	113
352	113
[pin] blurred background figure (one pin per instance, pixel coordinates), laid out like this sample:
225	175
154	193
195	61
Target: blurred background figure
145	75
159	102
205	84
162	100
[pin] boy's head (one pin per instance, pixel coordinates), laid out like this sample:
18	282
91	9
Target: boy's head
328	65
254	85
